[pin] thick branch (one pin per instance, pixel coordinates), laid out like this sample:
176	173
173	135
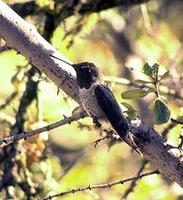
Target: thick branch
24	38
95	6
26	8
67	8
153	147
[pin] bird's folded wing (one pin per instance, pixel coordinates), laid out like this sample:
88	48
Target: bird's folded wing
111	108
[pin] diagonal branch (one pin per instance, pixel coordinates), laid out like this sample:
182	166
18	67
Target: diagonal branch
99	186
23	37
26	8
14	138
67	8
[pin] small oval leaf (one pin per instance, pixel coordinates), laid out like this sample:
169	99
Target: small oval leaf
138	81
131	115
131	112
134	94
128	106
148	70
161	112
165	75
155	67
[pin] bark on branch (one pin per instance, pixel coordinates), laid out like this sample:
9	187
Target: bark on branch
24	38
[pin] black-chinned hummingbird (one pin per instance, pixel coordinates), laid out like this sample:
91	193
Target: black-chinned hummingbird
97	99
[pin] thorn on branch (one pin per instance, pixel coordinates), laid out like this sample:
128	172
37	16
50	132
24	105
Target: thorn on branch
99	186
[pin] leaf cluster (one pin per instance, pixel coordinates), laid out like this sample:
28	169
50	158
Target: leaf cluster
161	112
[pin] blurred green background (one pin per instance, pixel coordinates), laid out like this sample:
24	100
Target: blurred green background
119	41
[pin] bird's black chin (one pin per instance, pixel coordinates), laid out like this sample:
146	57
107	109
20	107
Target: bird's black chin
84	82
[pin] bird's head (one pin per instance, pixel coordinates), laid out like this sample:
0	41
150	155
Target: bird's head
86	73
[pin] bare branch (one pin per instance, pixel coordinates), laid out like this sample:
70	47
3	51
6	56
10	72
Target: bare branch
108	135
177	121
99	186
70	7
67	120
8	100
155	149
174	122
86	7
26	8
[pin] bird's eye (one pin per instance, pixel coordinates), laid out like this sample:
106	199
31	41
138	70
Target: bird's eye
86	70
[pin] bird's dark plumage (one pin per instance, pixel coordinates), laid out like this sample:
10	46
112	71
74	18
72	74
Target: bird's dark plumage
87	73
111	108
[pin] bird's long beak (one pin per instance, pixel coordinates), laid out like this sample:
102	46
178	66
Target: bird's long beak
72	65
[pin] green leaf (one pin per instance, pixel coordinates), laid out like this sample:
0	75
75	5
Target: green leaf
128	106
155	67
138	81
131	112
165	75
135	94
161	112
76	110
148	70
131	115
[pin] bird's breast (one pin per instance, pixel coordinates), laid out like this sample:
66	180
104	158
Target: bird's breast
89	102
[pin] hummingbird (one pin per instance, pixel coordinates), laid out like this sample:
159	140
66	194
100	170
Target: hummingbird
97	99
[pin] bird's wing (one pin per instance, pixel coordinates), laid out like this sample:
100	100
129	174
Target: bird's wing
111	108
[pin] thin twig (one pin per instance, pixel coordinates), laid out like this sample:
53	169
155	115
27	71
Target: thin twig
67	120
146	18
174	123
98	140
181	141
8	100
134	182
99	186
162	88
108	135
177	121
